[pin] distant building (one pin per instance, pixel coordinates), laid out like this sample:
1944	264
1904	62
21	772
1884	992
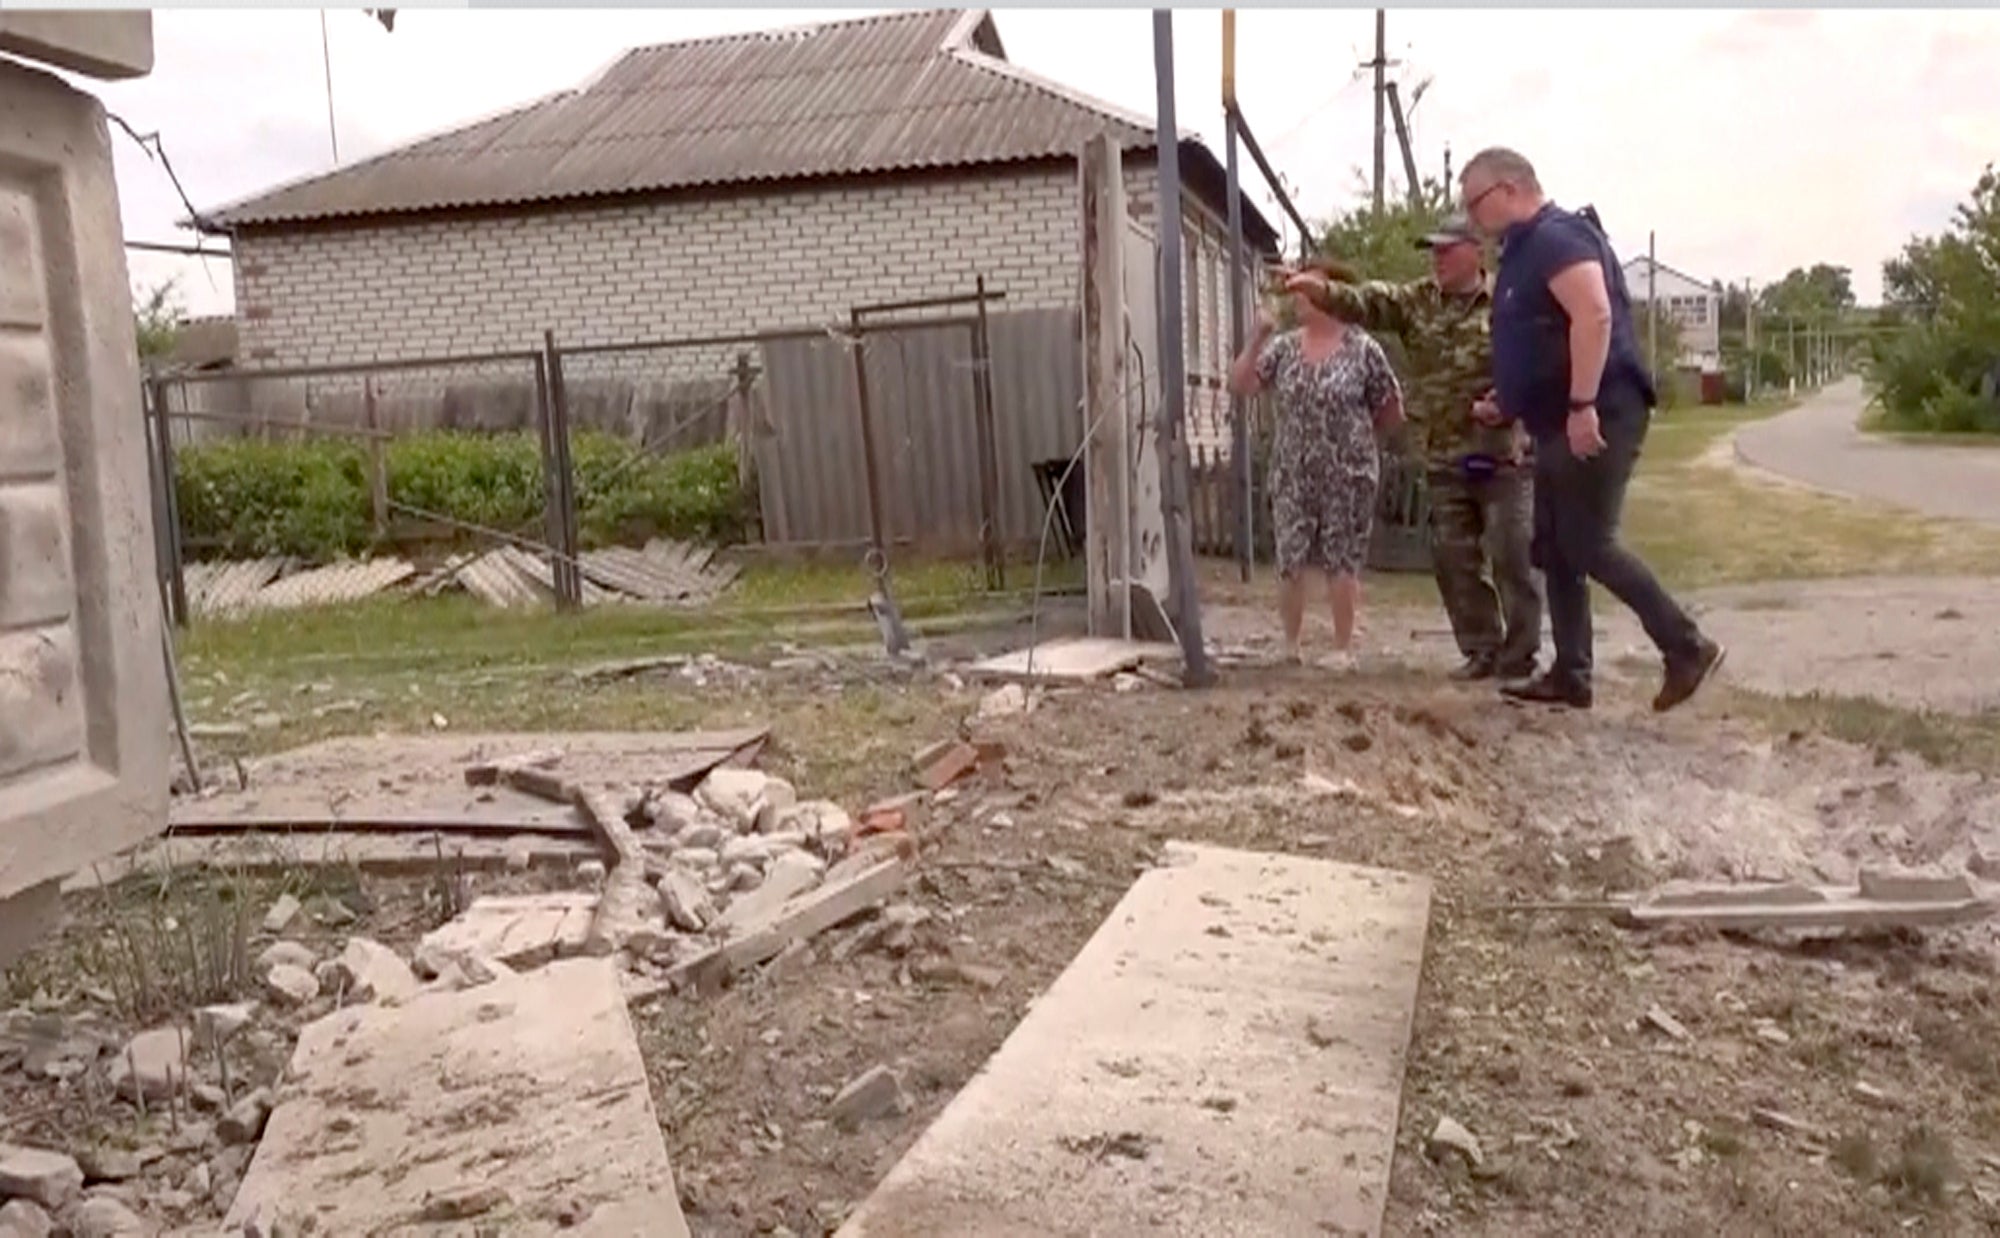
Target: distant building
1693	306
770	179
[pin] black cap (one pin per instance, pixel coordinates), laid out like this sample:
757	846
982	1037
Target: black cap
1454	230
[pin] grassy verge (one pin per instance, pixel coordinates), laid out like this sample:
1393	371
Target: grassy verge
1700	522
1951	741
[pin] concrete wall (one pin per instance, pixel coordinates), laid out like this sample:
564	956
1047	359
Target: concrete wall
83	716
691	267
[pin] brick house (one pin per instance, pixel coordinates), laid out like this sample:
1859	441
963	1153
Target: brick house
741	183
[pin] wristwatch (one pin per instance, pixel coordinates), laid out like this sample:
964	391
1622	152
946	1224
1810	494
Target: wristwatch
1577	406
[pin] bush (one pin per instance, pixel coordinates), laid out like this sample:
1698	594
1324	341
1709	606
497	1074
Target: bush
242	498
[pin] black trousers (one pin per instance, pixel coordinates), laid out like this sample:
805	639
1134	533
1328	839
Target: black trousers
1577	508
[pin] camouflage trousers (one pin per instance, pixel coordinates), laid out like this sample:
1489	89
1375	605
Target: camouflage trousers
1497	618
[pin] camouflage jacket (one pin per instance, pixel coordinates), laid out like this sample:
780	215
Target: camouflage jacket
1448	347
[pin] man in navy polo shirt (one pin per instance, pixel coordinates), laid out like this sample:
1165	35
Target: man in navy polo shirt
1567	366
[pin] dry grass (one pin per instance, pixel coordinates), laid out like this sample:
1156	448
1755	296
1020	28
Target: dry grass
1699	520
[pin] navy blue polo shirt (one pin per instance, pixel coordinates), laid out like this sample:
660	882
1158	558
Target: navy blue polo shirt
1531	331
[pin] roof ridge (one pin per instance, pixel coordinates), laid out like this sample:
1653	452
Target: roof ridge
978	61
801	28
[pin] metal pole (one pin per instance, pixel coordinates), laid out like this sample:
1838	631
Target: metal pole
326	59
176	576
877	542
989	464
1239	413
1173	367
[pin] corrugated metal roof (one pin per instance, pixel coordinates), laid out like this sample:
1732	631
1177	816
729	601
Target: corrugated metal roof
899	92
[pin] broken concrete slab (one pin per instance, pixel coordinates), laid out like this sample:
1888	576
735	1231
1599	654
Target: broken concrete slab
1305	1145
1077	659
522	931
791	875
281	853
1930	903
842	896
534	1081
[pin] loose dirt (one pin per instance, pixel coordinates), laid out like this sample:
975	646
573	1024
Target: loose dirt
1530	1026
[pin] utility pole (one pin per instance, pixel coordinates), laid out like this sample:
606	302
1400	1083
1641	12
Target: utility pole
1239	413
1749	339
1403	141
1447	167
1173	369
1381	65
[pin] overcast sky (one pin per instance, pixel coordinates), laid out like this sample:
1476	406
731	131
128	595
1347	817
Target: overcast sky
1752	142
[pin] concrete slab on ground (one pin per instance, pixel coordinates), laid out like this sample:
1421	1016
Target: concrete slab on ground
416	783
1224	1057
1074	658
516	1106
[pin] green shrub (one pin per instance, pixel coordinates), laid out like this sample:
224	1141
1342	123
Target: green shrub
241	498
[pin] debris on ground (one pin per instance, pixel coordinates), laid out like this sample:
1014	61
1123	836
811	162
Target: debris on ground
1449	1136
869	1095
1884	900
1075	659
664	573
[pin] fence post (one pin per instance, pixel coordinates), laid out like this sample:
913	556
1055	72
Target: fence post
378	468
742	432
869	466
561	512
174	577
989	465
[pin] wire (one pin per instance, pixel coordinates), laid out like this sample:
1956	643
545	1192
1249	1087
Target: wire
157	152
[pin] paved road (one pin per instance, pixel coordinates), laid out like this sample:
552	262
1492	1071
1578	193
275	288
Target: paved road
1818	444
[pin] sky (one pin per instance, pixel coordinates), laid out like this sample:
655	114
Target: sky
1748	143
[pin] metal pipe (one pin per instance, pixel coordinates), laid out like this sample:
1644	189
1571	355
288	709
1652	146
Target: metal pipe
1173	368
979	298
358	368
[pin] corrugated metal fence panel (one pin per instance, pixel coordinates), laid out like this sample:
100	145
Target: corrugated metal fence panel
920	387
920	380
1037	406
811	484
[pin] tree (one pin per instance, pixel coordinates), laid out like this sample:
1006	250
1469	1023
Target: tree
1384	246
1940	371
157	317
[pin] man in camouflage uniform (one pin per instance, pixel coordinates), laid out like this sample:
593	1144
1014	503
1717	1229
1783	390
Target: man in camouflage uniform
1480	485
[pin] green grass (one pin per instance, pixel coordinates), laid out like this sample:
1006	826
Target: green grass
1699	522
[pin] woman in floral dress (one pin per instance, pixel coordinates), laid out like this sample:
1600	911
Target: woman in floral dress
1335	392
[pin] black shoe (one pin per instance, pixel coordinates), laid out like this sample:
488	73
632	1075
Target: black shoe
1549	690
1514	672
1686	675
1474	668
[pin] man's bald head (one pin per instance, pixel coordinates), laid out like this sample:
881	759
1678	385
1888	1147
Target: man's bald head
1498	187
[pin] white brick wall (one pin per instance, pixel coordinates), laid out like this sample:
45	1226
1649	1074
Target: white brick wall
717	266
621	273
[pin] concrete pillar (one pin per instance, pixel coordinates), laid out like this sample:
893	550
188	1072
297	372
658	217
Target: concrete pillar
83	713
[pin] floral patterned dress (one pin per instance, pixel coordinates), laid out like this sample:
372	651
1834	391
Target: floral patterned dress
1326	465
